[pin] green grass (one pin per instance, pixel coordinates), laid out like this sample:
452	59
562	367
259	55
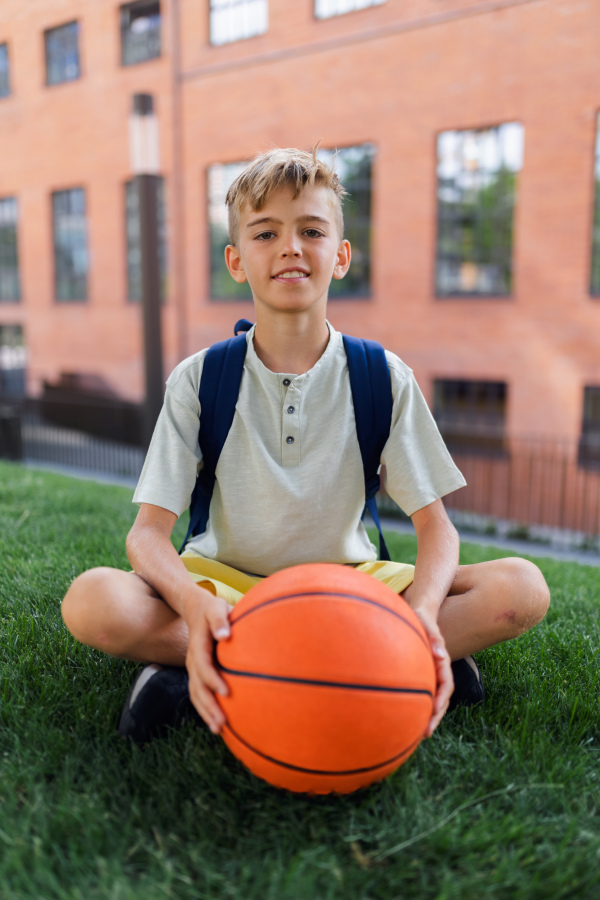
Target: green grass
503	802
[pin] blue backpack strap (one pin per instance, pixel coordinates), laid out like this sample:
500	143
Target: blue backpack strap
242	325
372	397
218	394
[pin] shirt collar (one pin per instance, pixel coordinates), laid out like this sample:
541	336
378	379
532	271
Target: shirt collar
328	353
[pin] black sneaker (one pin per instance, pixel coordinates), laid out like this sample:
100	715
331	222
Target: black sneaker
159	699
468	684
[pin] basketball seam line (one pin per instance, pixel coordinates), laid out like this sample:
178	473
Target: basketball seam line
319	683
285	765
329	594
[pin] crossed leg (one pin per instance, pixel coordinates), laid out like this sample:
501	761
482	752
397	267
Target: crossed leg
491	602
118	613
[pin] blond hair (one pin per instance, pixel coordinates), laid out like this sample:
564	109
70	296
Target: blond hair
275	169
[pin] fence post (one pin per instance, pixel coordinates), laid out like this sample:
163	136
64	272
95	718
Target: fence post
11	442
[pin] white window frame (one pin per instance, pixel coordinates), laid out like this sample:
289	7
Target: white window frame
237	20
325	9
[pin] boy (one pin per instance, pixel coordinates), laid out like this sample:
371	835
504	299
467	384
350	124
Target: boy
290	486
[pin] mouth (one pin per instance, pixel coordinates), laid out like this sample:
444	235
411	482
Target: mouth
293	275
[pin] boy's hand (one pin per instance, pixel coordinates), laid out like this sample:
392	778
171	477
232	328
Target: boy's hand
207	619
443	672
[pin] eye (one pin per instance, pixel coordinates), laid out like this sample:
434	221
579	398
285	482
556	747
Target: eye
313	233
264	236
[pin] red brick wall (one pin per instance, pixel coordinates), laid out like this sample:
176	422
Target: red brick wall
395	75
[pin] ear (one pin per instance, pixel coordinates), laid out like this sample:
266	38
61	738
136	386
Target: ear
233	261
342	262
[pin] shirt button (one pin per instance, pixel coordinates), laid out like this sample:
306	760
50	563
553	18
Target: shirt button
289	439
291	409
286	382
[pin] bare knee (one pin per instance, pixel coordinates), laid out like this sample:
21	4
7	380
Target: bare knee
86	605
525	594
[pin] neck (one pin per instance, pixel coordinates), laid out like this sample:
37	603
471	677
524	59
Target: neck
290	342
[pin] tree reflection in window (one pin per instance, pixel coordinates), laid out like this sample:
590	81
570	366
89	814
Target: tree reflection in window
10	289
354	165
476	189
71	259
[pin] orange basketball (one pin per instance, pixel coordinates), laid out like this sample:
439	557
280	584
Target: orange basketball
331	679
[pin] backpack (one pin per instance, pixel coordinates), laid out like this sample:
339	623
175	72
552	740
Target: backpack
218	393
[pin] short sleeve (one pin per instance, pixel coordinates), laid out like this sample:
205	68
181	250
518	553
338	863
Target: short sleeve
419	468
173	459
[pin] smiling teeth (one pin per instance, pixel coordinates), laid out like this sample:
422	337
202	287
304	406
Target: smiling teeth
294	274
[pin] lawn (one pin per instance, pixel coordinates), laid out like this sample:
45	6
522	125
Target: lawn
503	801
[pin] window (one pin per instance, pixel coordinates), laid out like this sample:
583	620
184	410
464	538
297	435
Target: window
140	32
132	226
9	265
477	184
353	165
4	71
589	442
471	414
13	359
70	244
326	8
222	285
62	53
233	20
595	273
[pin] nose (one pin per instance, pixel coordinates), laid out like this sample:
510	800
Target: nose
291	247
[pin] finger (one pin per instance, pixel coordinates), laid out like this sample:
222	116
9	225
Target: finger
200	659
439	711
207	706
445	686
444	691
217	616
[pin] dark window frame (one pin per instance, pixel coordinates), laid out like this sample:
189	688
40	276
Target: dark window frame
152	43
9	267
588	453
70	249
133	270
244	37
471	416
48	33
5	89
339	288
488	295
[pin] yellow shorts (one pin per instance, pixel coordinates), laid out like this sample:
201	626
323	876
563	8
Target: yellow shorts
231	584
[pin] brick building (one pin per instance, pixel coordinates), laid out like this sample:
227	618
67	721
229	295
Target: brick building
467	132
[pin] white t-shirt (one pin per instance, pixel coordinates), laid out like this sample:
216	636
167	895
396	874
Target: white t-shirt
278	502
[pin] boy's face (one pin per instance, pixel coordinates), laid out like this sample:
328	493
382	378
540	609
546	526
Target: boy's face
290	249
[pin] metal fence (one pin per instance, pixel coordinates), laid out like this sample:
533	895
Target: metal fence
532	482
28	435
